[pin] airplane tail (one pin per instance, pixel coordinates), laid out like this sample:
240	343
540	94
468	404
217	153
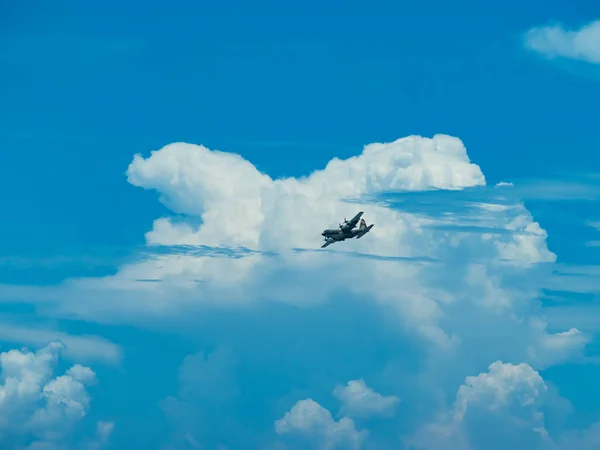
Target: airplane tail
362	225
364	231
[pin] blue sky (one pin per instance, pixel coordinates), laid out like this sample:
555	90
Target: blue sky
219	346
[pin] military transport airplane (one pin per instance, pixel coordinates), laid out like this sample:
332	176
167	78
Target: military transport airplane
347	231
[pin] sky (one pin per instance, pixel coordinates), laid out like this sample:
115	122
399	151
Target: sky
168	169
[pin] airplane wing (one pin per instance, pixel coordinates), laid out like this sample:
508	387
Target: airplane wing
352	222
328	242
365	231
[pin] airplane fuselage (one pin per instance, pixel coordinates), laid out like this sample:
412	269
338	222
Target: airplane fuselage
341	234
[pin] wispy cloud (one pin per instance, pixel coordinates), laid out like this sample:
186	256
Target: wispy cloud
22	262
559	188
81	348
584	317
351	254
556	41
478	210
573	281
240	252
596	226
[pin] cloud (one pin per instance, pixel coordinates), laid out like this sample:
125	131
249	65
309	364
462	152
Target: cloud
99	441
448	281
225	201
503	385
225	190
358	400
310	420
563	187
505	407
507	398
82	348
102	437
221	200
596	226
555	348
33	404
587	439
556	41
573	279
207	388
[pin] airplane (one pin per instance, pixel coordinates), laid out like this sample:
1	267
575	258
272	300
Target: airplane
347	231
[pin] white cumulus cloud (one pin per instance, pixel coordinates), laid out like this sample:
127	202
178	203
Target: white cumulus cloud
310	420
239	205
33	404
359	400
501	386
506	398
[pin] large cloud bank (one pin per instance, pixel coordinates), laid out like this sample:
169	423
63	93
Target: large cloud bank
226	201
457	286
